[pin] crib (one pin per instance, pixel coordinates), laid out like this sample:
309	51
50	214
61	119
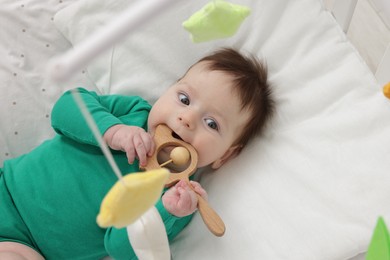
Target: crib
312	187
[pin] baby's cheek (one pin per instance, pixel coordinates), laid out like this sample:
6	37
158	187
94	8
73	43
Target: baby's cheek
208	150
205	158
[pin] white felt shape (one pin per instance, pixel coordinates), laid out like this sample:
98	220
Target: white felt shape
314	184
148	233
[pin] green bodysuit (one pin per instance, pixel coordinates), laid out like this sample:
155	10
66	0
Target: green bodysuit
50	197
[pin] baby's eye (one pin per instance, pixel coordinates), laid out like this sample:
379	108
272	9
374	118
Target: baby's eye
212	124
184	99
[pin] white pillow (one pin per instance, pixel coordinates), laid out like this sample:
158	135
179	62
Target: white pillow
313	186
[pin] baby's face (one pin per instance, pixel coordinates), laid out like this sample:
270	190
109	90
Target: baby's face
203	110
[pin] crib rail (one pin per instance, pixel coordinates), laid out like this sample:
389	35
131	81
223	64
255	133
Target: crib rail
346	14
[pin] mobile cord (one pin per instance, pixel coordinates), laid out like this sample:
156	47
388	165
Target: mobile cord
94	129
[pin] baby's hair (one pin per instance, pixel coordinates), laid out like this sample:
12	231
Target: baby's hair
250	78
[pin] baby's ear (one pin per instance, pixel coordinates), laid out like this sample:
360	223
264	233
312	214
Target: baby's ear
231	153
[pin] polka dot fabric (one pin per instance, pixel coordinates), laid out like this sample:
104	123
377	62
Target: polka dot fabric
28	40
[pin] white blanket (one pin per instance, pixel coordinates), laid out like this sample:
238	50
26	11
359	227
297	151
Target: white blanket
313	186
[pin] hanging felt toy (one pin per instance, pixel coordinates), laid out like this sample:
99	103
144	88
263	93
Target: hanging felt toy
131	197
379	248
386	90
218	19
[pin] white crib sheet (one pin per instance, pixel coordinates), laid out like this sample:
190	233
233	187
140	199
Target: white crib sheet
28	40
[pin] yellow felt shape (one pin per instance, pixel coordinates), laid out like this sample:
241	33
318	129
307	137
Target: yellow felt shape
386	90
130	197
217	19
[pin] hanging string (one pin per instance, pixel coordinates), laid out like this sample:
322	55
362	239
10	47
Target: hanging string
92	125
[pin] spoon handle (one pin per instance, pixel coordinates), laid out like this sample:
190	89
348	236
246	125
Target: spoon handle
212	220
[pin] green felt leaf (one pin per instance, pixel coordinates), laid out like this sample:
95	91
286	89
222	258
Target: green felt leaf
379	248
217	19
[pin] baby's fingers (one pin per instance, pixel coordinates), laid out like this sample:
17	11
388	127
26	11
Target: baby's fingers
188	200
198	189
130	154
140	149
144	146
148	142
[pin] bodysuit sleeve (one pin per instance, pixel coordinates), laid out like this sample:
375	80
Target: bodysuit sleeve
107	110
117	242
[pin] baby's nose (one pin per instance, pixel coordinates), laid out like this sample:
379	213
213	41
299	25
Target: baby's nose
187	119
185	122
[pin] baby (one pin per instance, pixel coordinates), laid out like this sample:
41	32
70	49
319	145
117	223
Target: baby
50	197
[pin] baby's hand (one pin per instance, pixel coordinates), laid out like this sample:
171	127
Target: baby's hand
133	140
181	200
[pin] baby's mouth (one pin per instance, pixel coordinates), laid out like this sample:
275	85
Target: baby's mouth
167	149
175	135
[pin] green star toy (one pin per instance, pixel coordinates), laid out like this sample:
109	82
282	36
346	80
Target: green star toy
379	248
217	19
